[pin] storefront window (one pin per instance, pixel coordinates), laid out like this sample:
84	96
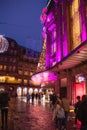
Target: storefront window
25	81
1	67
19	91
30	90
53	45
76	22
24	91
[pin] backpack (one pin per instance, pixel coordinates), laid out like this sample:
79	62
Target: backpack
60	113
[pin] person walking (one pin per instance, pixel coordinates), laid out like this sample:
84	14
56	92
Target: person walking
28	98
66	106
53	100
82	113
32	96
4	100
76	109
58	115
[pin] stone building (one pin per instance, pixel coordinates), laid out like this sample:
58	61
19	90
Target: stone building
17	65
65	36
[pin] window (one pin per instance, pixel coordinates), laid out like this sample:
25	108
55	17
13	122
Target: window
25	81
12	44
20	80
10	68
20	72
14	68
53	43
31	73
4	67
76	28
1	67
25	72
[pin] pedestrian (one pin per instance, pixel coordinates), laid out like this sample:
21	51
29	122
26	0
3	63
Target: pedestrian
76	109
66	106
4	103
53	99
82	113
32	96
58	115
36	95
28	98
50	97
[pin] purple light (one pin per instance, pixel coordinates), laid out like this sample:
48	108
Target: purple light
83	21
44	77
52	27
83	33
49	17
58	51
65	46
44	29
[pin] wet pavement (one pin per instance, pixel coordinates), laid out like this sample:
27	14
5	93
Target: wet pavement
32	116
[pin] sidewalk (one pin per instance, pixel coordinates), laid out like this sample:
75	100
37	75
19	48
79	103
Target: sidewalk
36	116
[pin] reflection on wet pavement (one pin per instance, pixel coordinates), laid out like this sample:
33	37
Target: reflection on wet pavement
36	116
32	116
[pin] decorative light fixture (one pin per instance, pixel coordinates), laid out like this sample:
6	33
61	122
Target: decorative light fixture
43	15
3	44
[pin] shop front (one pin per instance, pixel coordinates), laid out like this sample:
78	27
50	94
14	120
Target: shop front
79	86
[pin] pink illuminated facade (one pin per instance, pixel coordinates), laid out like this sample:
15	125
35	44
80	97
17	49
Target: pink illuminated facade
65	28
57	35
65	36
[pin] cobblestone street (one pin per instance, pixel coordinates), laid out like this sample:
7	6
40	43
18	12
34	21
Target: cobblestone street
36	116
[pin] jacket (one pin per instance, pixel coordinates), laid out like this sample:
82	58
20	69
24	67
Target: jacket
4	99
82	113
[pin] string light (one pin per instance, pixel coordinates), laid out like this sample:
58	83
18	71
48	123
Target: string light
3	44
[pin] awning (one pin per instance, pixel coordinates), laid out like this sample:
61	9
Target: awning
76	57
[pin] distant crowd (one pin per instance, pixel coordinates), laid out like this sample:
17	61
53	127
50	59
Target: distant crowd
60	107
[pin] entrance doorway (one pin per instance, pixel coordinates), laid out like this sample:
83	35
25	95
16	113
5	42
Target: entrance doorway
79	87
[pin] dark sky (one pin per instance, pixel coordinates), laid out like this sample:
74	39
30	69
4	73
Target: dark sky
20	20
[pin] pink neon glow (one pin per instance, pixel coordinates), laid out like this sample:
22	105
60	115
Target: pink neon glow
83	33
48	19
44	77
83	21
50	16
80	89
44	10
43	15
52	27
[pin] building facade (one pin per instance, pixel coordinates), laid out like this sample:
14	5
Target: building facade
65	36
17	65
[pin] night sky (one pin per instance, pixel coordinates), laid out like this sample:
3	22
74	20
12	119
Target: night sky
20	20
